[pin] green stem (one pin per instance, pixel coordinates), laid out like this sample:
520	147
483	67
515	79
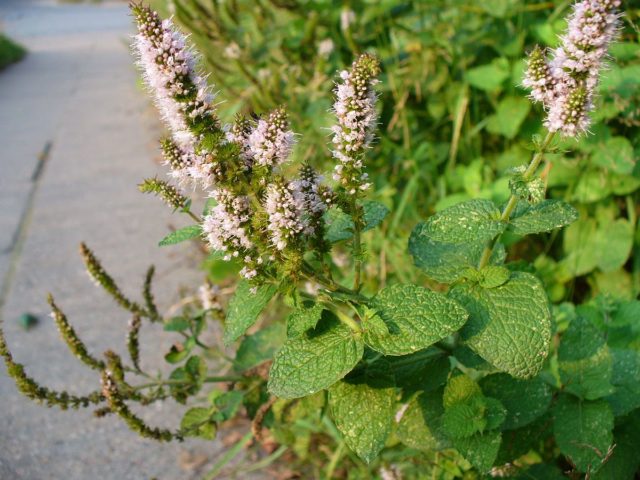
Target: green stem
312	274
181	382
357	245
513	200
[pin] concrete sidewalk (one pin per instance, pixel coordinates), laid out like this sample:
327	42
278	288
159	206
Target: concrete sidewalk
76	136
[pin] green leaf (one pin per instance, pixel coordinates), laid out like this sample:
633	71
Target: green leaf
181	235
303	319
543	217
489	77
510	114
362	407
226	404
316	360
583	430
614	244
624	462
259	347
180	351
481	449
520	441
462	420
374	214
616	154
415	318
447	262
584	361
626	380
340	226
496	414
425	370
244	308
493	276
176	324
510	325
420	424
197	422
466	222
460	389
524	400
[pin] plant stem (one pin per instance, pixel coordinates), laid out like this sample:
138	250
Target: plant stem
312	274
357	245
180	382
513	200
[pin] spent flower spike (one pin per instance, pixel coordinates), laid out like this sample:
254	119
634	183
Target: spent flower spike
566	84
354	108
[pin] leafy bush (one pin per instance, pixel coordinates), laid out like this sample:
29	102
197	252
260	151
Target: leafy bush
508	351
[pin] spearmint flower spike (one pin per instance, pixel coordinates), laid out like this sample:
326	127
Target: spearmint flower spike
271	141
287	222
182	95
355	111
566	84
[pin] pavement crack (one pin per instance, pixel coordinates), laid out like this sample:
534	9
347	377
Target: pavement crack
14	250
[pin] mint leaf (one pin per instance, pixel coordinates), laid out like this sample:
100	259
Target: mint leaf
493	276
510	325
583	430
362	407
471	221
340	226
616	154
415	318
543	217
425	370
420	423
244	308
480	450
181	235
446	262
460	389
626	380
524	400
624	461
510	114
315	360
259	347
462	420
197	422
489	77
584	361
303	319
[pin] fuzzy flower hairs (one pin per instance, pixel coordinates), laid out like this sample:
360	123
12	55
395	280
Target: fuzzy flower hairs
565	84
355	111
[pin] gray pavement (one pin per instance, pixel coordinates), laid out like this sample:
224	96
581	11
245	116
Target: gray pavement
76	95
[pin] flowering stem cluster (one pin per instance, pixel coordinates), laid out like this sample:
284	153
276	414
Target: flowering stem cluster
261	219
566	83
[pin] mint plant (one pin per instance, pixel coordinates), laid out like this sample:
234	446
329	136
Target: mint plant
473	372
